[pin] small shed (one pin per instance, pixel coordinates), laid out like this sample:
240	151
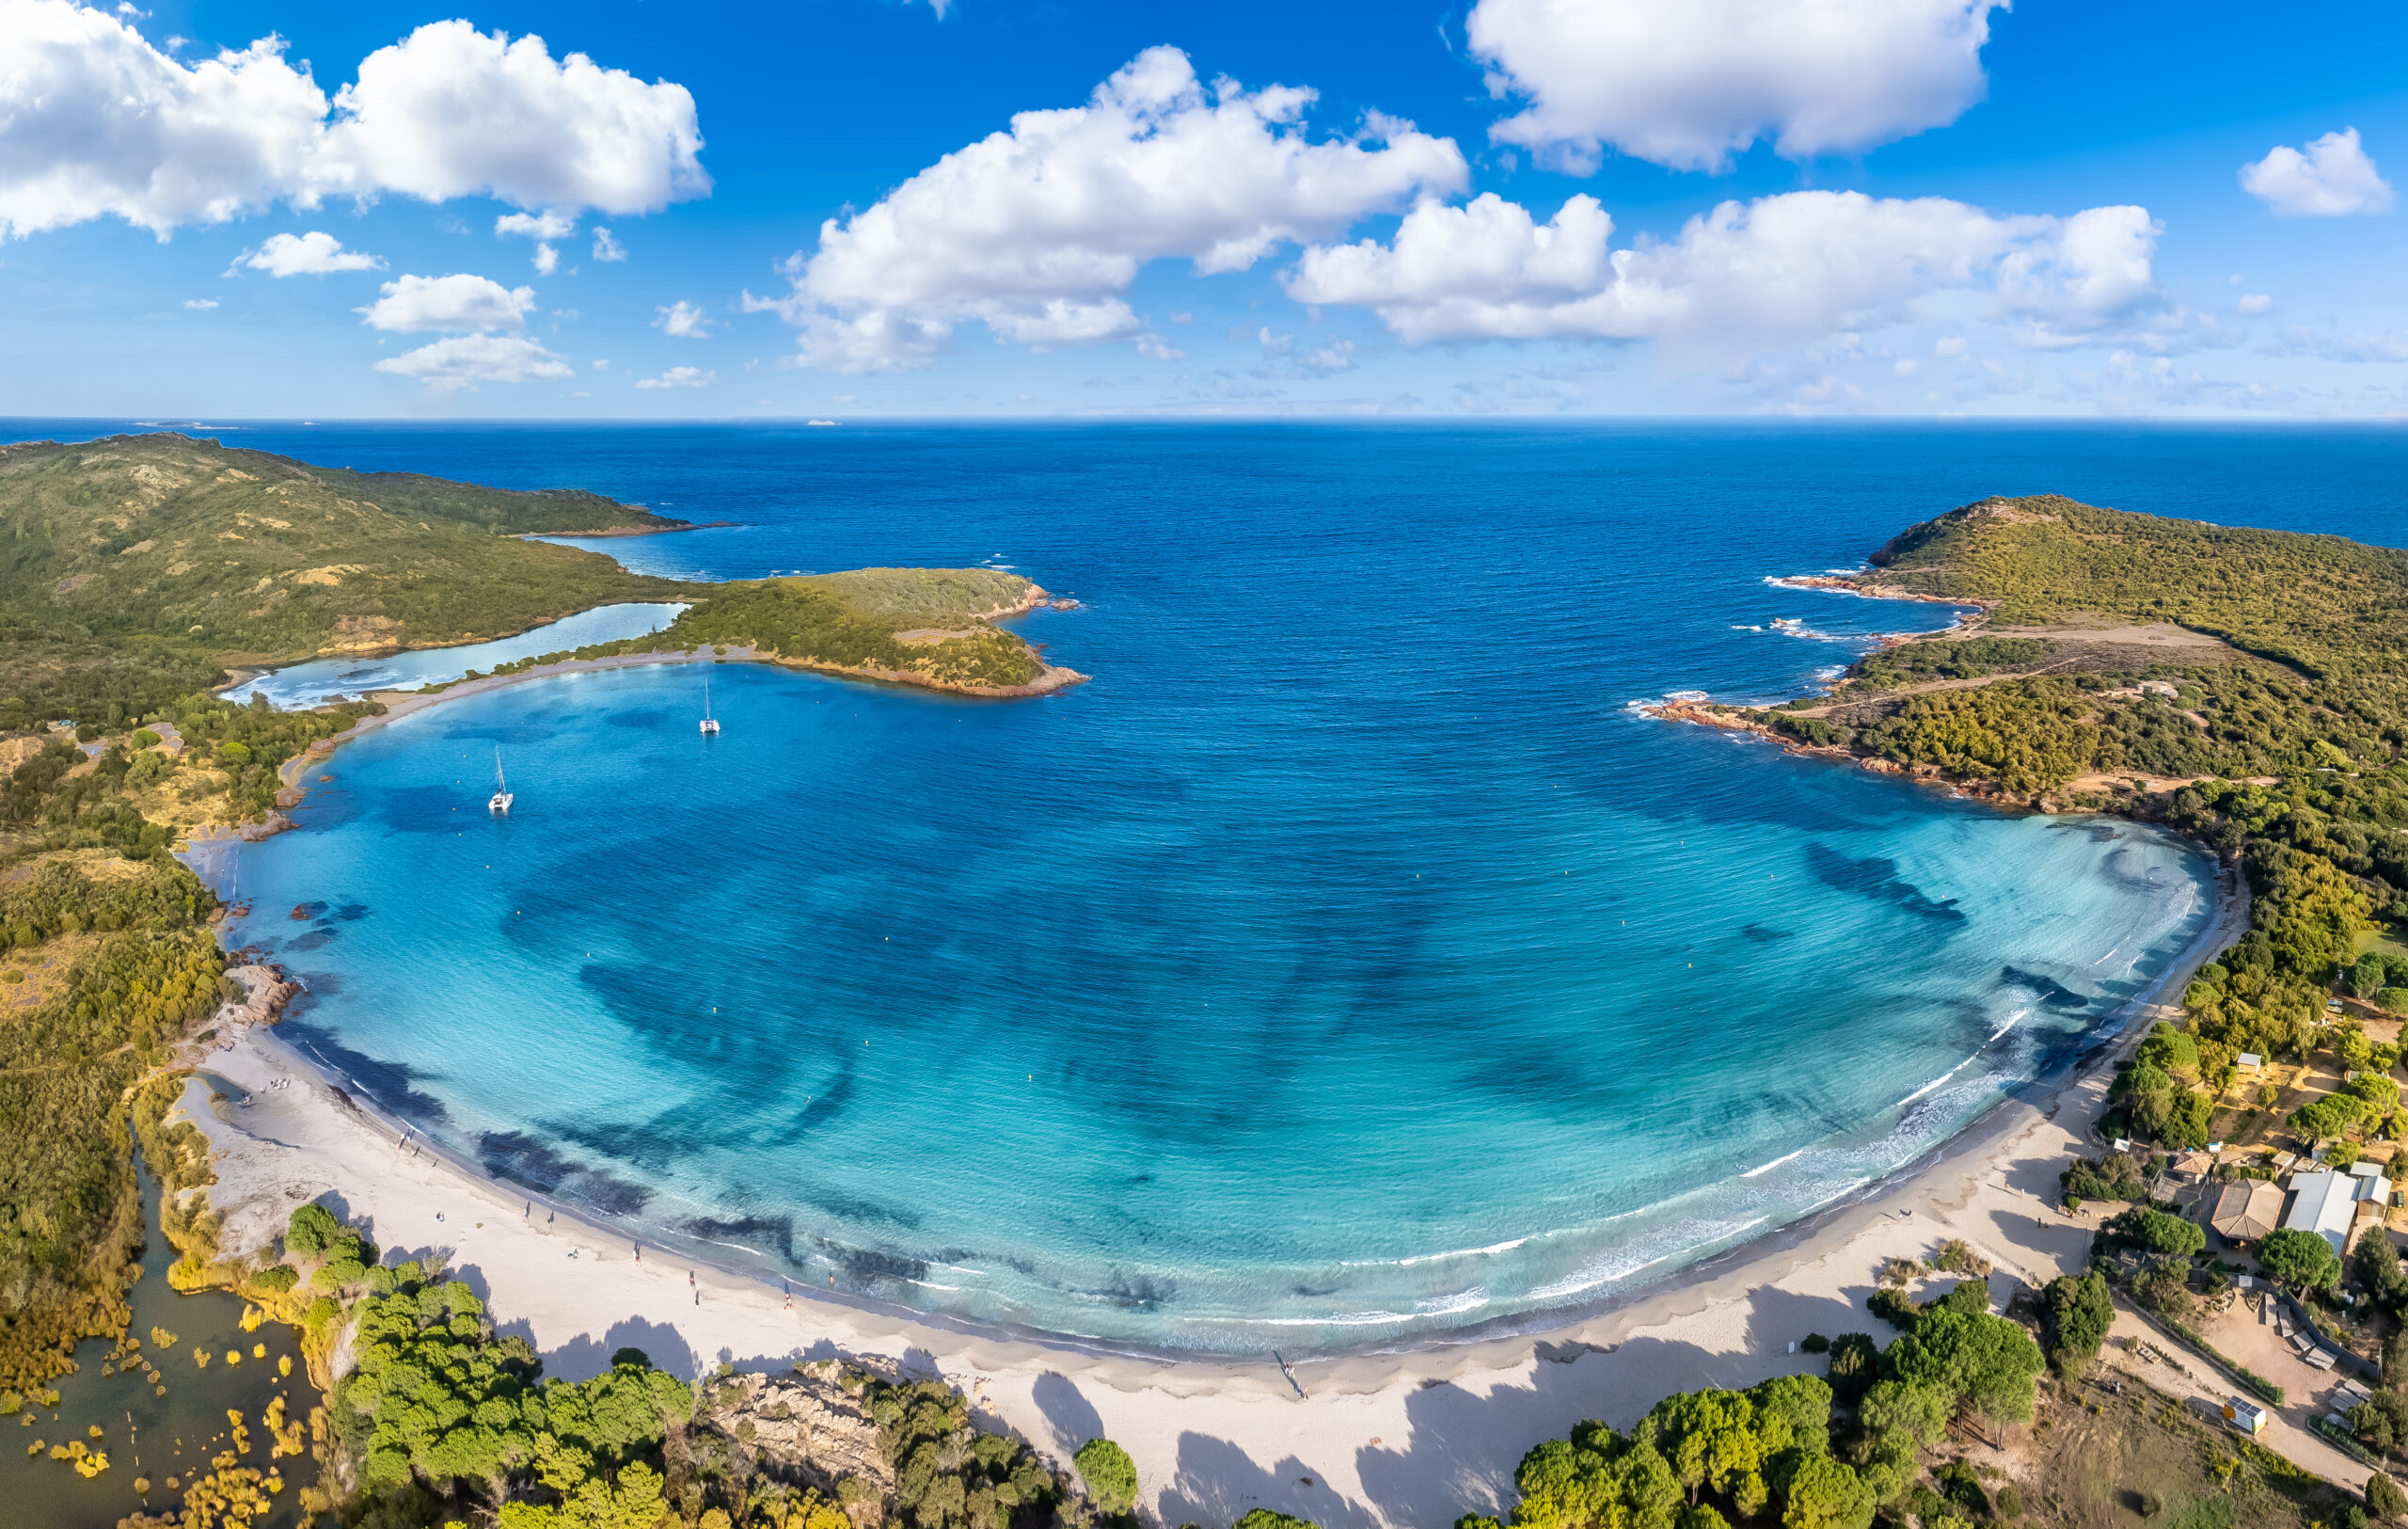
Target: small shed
2246	1416
2249	1061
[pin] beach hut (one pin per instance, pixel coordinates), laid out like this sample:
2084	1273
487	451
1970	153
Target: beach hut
2247	1210
2243	1415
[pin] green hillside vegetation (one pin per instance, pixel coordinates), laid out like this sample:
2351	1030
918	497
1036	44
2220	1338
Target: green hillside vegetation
813	621
2317	703
2323	604
132	568
136	569
109	962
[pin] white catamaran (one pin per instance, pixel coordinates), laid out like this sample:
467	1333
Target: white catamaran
710	723
501	797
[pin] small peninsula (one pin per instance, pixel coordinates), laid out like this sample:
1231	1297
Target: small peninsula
136	571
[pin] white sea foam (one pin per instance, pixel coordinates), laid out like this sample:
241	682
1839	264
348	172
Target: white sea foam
1434	1258
1766	1168
1934	1084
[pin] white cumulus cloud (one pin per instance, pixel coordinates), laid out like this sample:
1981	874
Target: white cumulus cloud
680	376
308	254
200	305
1686	83
95	122
2333	179
683	320
462	362
457	304
606	248
535	224
2256	302
1036	231
1780	270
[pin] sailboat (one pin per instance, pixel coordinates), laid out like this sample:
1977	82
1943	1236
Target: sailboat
710	723
502	798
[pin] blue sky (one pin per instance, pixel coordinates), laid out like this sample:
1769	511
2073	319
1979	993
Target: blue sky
1917	207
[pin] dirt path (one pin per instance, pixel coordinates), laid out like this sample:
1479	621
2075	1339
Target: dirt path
2158	1362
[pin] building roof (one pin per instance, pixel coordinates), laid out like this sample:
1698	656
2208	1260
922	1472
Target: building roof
2247	1209
2327	1204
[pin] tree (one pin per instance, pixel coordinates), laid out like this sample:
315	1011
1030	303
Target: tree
1824	1494
2301	1259
2354	1048
1793	1411
2379	1093
1915	1411
2159	1232
2375	1260
2321	1119
1708	1437
311	1230
2384	1500
2076	1311
1854	1365
2367	976
1263	1518
1989	1362
2381	1420
1110	1474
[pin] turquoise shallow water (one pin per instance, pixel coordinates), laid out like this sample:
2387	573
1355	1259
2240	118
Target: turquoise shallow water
1345	964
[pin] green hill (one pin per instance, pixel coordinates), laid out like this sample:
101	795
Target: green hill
135	570
2319	603
243	556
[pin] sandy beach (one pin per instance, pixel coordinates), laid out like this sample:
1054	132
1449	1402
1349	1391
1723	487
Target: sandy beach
1408	1438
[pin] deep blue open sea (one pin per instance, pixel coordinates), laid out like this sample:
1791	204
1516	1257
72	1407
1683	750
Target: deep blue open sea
1345	963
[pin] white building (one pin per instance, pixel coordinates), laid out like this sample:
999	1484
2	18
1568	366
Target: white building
2326	1203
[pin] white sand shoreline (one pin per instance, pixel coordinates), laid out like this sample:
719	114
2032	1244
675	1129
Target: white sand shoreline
1408	1435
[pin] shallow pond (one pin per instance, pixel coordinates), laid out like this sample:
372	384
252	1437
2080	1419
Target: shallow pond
144	1434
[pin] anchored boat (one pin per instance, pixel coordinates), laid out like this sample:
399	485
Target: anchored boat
501	797
710	723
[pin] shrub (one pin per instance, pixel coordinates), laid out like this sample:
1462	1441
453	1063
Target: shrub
1900	1271
1892	1306
1957	1256
2384	1500
1813	1343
